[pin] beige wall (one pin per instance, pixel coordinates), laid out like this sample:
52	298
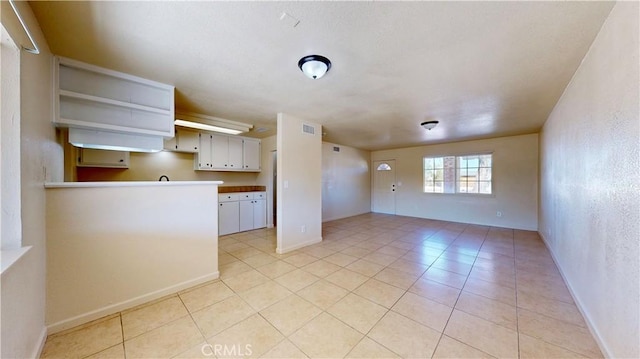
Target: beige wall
10	221
589	193
23	285
299	184
346	182
150	166
515	183
111	248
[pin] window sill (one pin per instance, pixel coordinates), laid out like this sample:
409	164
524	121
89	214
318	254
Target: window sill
10	257
462	195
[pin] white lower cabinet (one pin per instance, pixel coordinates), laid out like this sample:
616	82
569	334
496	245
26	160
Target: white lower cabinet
242	212
259	213
228	218
246	215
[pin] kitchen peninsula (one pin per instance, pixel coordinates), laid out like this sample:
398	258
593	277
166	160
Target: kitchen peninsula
115	245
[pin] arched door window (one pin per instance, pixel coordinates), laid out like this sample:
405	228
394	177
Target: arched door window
383	167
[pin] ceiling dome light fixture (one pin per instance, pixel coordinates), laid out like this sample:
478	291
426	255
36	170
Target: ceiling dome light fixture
314	66
429	125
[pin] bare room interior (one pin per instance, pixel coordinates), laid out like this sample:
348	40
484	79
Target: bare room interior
320	179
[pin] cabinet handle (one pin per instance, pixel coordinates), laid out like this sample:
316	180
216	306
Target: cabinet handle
121	160
220	204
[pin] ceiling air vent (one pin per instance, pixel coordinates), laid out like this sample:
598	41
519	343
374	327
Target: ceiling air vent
308	129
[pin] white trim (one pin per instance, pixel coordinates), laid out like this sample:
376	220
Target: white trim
96	126
41	341
130	303
65	61
129	184
9	257
592	329
280	250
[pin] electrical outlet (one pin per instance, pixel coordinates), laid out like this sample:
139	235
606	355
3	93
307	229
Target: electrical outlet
303	229
498	214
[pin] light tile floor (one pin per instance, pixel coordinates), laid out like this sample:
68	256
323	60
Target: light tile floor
378	286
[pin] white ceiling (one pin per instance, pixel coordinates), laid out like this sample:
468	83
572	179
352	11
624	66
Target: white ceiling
483	69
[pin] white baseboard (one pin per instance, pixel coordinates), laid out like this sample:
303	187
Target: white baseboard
334	218
129	303
594	331
37	351
298	246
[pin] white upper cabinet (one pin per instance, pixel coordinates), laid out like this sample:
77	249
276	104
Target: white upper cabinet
235	152
220	152
95	98
188	141
251	154
184	141
100	158
227	153
203	157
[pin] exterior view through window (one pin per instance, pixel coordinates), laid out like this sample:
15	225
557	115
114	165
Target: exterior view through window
458	174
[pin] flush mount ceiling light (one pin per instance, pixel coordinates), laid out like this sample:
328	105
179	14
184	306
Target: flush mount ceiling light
314	66
429	125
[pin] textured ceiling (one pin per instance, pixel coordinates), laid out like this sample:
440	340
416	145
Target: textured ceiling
483	69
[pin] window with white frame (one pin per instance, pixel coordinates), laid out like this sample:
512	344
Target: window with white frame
458	174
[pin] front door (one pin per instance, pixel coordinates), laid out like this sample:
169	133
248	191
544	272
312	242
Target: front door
384	187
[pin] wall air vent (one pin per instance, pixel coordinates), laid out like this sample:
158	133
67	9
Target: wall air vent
308	129
336	149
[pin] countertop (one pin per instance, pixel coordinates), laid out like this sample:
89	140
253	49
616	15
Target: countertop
129	184
233	189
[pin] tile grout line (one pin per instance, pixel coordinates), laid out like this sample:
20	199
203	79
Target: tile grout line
541	314
206	340
460	293
124	349
515	269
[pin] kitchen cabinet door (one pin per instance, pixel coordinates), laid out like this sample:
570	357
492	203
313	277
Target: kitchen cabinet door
219	152
235	153
259	213
187	141
246	215
228	218
251	154
203	157
171	144
88	157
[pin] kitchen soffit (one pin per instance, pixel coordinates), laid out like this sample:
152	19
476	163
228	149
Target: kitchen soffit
483	69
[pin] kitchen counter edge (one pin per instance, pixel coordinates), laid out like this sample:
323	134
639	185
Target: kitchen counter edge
128	184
